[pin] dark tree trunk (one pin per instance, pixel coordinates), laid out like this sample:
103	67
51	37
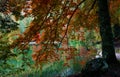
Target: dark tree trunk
108	50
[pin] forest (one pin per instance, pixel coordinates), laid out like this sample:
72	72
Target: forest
59	38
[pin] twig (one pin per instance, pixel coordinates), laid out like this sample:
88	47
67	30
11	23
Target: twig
69	21
92	6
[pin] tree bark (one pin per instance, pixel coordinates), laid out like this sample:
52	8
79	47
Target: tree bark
108	50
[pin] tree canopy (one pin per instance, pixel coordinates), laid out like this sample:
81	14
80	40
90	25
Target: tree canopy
56	25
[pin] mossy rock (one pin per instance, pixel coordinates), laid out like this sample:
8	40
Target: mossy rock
95	68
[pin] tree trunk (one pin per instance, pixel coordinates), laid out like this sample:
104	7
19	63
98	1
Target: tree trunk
108	50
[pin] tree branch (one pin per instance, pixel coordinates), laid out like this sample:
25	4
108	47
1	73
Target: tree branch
69	21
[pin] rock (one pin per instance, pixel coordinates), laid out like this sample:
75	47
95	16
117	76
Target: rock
117	56
95	68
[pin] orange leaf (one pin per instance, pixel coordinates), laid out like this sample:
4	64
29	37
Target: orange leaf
42	57
66	64
34	57
83	62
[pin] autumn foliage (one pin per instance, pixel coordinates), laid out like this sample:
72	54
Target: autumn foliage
55	22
